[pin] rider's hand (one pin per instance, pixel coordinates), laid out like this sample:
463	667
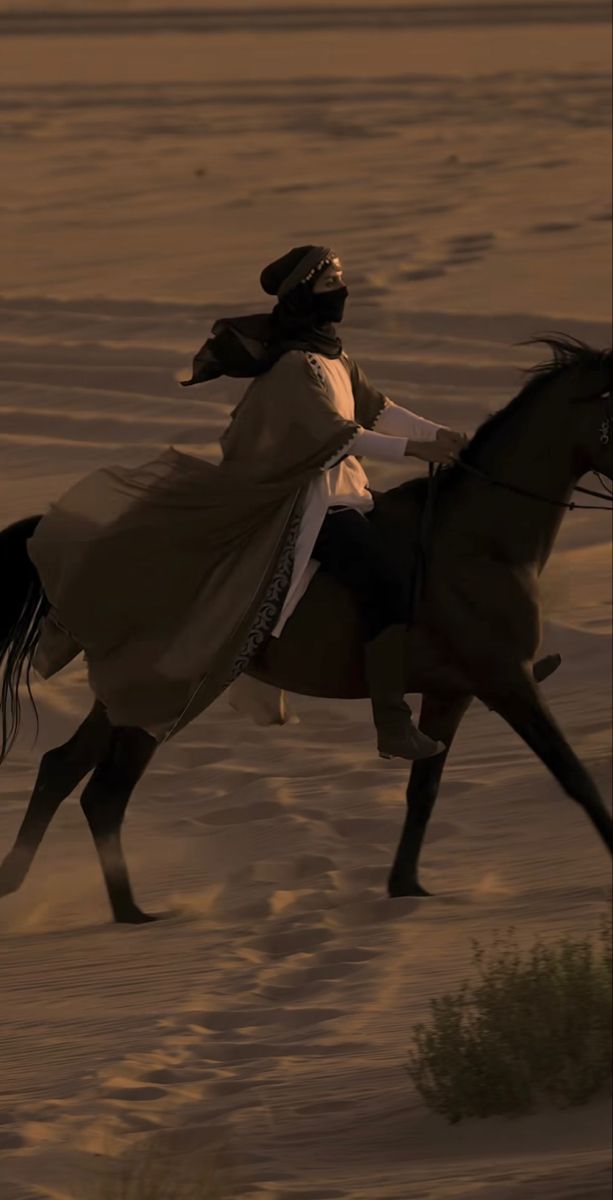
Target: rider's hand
444	449
451	442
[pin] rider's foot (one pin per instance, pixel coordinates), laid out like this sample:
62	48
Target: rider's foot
546	666
13	871
398	737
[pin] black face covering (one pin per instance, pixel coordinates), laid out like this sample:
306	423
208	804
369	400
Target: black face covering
303	319
329	306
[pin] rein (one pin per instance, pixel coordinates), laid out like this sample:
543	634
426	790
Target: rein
512	487
422	548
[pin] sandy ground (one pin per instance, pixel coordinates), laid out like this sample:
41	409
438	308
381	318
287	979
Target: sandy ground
461	168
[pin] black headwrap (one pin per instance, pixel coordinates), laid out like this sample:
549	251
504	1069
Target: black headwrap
249	345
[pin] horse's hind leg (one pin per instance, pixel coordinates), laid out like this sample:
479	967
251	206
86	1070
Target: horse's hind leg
440	718
60	771
104	803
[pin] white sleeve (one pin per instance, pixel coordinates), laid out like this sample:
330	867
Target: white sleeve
393	419
376	445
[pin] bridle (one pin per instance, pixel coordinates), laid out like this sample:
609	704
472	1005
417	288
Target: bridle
607	494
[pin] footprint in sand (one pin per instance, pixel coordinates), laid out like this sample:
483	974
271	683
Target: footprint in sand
284	873
427	209
376	911
486	238
263	810
169	1076
133	1092
295	977
374	831
11	1140
301	1018
303	977
327	1194
307	865
421	273
553	227
360	879
243	1052
468	247
137	1123
225	1020
292	941
350	956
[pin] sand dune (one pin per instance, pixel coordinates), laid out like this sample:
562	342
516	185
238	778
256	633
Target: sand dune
461	168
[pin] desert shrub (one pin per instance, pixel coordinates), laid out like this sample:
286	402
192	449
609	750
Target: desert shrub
532	1031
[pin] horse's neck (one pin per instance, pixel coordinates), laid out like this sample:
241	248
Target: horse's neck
535	454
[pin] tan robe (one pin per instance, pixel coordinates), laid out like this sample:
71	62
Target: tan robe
171	575
342	482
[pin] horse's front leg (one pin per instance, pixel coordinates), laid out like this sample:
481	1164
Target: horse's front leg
440	718
519	702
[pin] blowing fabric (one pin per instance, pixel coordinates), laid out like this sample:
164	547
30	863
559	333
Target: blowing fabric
250	344
171	575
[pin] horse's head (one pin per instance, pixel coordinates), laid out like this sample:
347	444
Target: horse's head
592	415
575	388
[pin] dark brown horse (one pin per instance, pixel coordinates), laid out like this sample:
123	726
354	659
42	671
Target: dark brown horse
476	630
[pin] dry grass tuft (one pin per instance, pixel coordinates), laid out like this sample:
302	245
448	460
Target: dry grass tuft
530	1032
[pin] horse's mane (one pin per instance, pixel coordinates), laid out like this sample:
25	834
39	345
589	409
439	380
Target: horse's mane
567	352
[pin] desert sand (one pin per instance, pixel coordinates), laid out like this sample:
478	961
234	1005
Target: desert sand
459	162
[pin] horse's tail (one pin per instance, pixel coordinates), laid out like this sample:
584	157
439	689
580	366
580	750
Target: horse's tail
23	605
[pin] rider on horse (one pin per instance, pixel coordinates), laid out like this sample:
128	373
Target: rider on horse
171	576
335	532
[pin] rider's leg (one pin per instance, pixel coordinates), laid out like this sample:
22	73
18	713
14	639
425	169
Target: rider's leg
397	736
350	548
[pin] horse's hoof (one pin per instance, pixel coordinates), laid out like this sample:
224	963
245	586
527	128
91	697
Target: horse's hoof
12	875
136	916
7	888
8	885
396	890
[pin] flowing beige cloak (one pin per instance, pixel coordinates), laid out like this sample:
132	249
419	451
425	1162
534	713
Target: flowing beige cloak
169	576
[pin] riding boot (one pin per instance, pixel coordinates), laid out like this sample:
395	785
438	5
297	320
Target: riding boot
397	736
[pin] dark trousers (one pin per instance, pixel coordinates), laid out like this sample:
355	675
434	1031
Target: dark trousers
350	548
